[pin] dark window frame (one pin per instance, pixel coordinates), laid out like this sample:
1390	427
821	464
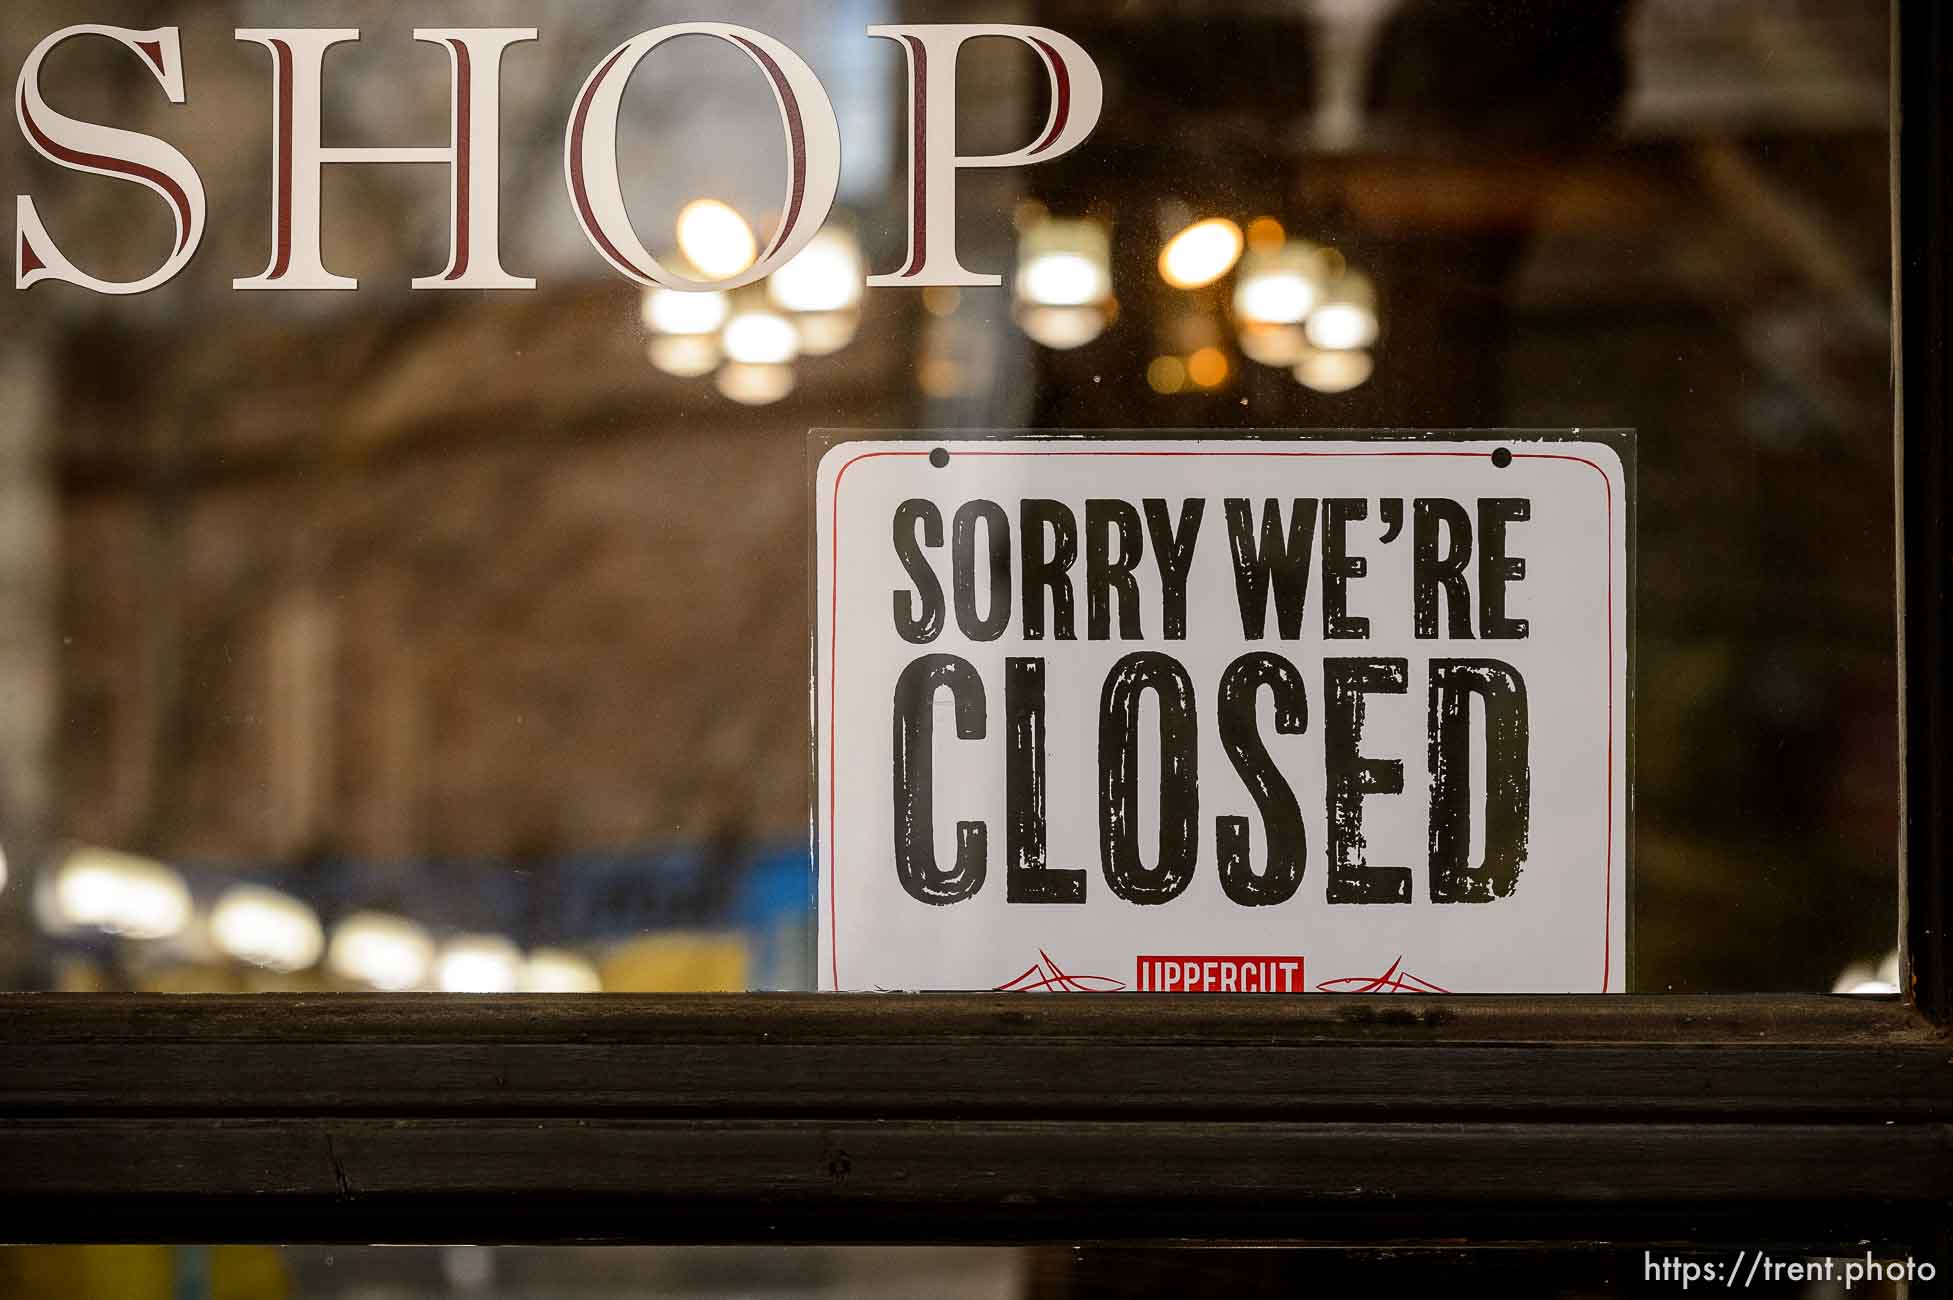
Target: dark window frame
1803	1122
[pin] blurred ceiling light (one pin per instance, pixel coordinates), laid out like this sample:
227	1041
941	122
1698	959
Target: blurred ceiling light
1062	280
825	276
827	332
755	384
387	952
671	311
3	868
555	970
1060	328
1334	371
758	337
686	355
1265	235
1347	314
1166	375
263	927
478	963
1208	367
942	299
99	889
715	239
1281	346
1201	254
1280	287
1064	262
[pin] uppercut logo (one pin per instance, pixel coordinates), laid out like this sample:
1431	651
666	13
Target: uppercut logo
1215	974
591	166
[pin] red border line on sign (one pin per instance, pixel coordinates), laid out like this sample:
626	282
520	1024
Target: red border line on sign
834	649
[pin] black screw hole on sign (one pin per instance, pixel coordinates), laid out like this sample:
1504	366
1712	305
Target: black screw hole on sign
940	458
1502	458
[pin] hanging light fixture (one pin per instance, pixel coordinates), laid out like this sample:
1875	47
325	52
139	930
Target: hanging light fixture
684	330
479	963
1347	315
1201	254
1065	263
686	356
824	333
761	344
809	307
755	383
116	893
759	336
674	311
1278	286
825	276
1279	346
388	952
1062	328
1334	370
822	288
1064	281
263	927
715	239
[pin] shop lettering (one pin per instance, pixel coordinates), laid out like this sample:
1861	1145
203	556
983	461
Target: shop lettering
592	167
1067	579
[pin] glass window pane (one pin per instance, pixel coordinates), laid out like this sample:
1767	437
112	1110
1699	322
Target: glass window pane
419	638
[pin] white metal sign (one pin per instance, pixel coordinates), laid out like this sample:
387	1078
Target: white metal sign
1284	714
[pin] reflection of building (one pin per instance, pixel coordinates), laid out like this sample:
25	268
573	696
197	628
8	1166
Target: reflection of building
413	579
508	592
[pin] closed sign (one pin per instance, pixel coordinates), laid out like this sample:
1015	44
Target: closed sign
1284	714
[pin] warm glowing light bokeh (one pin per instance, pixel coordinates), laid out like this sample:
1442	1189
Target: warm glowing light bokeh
1208	367
1201	254
715	239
